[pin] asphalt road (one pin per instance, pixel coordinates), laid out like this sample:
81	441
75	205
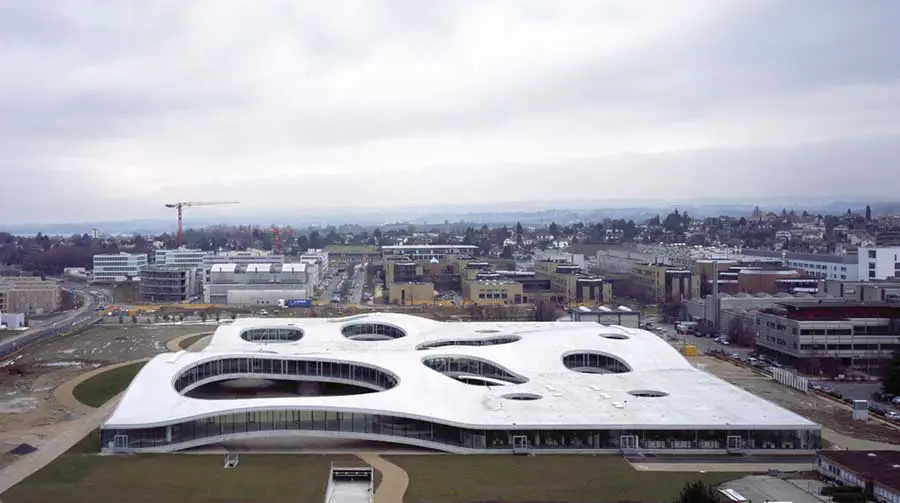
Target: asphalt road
357	291
62	324
330	289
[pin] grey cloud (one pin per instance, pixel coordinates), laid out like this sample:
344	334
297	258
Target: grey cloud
179	87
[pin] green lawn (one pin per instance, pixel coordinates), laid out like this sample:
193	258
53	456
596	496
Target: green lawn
81	476
99	389
569	478
186	343
182	478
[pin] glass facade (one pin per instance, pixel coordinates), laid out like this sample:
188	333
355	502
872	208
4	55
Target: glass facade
272	334
455	366
493	341
595	363
439	436
362	375
372	332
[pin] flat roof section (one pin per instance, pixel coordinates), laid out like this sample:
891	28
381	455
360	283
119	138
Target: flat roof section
643	382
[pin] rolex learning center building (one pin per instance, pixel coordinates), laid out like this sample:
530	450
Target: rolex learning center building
488	387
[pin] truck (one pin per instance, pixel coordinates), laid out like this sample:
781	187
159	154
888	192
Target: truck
298	303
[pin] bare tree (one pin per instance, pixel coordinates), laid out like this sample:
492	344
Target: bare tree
545	311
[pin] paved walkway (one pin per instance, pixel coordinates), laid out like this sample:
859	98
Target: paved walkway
394	480
68	434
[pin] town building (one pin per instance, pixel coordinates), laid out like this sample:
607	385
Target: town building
428	252
874	472
343	255
490	290
118	267
170	284
882	262
29	295
829	335
577	289
257	283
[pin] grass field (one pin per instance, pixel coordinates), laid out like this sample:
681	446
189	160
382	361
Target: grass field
185	478
571	478
186	343
79	476
99	389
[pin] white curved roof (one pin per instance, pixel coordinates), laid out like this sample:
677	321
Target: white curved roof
695	398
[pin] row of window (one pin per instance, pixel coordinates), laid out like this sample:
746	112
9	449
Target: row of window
598	439
493	341
305	368
457	365
362	329
272	334
595	363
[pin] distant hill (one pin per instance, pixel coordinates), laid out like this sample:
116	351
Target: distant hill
528	213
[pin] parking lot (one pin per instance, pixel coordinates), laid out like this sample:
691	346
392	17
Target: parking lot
828	413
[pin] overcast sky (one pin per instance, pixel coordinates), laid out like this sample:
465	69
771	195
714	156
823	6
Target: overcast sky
108	110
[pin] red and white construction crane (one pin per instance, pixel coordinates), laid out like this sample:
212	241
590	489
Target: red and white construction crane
180	205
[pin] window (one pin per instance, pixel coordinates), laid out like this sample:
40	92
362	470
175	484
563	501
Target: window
872	254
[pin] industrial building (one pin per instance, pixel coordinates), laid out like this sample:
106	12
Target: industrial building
492	387
170	284
829	334
605	315
883	290
819	265
118	267
753	277
29	295
258	283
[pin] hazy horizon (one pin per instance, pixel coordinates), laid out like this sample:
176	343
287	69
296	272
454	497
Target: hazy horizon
109	111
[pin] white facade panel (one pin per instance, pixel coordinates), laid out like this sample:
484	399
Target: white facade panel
118	267
879	262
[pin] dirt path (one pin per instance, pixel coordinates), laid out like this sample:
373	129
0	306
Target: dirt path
64	393
394	480
65	435
174	345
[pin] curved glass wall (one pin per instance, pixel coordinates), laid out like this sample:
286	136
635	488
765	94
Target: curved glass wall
360	374
492	341
272	334
595	363
455	366
372	332
453	437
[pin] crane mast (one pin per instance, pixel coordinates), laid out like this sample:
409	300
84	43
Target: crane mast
179	207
